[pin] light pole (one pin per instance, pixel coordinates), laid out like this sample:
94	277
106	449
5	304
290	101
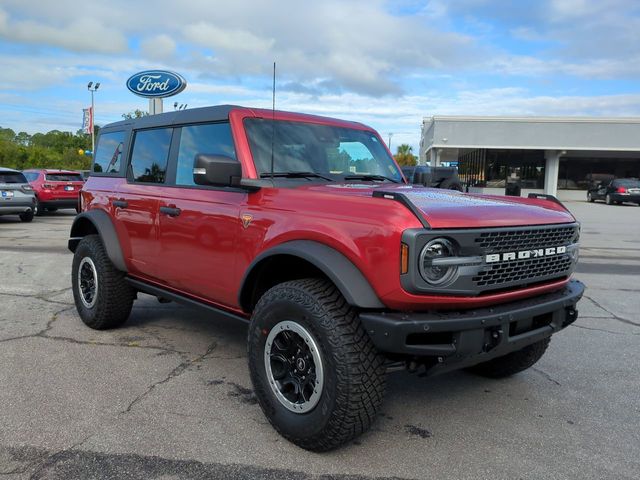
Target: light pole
389	143
92	88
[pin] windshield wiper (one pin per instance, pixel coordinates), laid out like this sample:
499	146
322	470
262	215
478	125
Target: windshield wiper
367	176
295	175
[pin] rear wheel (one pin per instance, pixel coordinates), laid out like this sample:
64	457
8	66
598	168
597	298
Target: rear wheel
102	296
513	362
26	216
450	184
608	200
317	376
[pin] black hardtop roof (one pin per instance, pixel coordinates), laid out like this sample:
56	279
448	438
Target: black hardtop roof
192	115
195	115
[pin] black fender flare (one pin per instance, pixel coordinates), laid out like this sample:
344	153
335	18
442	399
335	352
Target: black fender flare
355	288
102	222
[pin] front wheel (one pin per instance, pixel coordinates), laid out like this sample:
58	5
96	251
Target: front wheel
102	296
316	374
512	363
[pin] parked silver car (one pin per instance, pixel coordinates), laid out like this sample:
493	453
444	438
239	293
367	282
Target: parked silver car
16	195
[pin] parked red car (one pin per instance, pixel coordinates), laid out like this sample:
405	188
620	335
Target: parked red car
55	189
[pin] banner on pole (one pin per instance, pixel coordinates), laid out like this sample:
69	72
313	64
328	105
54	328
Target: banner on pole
87	120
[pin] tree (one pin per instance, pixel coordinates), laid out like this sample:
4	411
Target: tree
404	156
137	113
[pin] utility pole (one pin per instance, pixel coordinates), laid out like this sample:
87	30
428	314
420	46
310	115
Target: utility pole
92	88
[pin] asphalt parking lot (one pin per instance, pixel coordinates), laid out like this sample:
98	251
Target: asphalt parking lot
168	395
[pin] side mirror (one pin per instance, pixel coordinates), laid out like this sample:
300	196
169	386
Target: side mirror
218	170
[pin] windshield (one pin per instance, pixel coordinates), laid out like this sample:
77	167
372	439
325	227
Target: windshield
333	152
12	177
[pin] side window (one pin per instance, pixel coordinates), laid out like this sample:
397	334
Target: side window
213	139
150	154
109	152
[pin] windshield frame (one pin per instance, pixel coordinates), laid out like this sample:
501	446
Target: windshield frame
381	156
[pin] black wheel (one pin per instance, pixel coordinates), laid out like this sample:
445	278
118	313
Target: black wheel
26	216
317	376
102	296
589	197
450	184
513	362
37	209
608	200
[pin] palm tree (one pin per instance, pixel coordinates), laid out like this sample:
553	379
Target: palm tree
404	155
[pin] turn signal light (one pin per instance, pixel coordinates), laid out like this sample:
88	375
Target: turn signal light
47	186
404	258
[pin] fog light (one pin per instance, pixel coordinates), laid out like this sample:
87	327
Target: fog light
433	269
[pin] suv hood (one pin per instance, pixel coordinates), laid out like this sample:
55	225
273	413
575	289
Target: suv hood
452	209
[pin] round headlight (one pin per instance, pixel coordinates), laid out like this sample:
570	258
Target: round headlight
432	272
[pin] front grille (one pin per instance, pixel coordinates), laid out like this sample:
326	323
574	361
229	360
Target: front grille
524	271
525	239
530	270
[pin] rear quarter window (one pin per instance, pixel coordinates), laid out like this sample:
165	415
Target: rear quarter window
150	155
108	153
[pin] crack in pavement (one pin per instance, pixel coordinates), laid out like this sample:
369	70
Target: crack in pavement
176	372
613	315
41	296
602	329
546	375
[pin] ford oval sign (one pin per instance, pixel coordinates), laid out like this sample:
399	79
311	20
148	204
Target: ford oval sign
156	83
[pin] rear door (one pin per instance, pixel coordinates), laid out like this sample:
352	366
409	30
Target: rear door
136	202
199	225
64	184
15	190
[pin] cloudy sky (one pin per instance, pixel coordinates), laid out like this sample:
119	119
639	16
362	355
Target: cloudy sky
386	63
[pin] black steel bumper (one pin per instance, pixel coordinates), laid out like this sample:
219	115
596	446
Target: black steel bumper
460	339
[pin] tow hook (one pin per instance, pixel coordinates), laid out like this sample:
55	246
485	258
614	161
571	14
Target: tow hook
492	339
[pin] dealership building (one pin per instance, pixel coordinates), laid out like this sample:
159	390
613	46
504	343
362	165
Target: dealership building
554	155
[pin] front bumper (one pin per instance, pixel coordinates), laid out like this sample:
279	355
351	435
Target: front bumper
460	339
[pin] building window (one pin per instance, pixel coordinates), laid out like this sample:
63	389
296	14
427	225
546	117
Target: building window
495	168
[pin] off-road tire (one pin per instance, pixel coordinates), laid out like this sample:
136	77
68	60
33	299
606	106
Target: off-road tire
26	216
114	295
354	371
512	363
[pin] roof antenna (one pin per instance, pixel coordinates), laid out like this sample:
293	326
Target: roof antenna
273	118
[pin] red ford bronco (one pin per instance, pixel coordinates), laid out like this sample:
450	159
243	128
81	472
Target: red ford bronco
305	227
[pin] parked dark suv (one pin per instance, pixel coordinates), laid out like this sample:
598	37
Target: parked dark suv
305	228
616	191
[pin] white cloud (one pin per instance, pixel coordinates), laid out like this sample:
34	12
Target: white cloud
79	34
158	47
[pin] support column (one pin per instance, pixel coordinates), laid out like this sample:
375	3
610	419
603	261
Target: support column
551	171
434	157
155	106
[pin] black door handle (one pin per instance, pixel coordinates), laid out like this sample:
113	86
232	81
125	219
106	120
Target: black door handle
171	211
120	203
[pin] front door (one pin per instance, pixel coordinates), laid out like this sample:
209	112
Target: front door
199	225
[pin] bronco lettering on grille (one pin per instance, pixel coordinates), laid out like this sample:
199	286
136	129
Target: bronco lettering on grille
525	254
